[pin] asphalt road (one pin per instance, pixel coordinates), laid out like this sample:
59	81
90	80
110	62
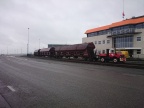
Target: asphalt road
36	83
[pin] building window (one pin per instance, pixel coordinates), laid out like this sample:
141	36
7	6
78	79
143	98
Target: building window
88	35
126	27
96	34
100	32
138	38
103	41
139	26
95	42
109	31
99	42
108	41
138	51
99	52
104	32
122	42
103	51
93	34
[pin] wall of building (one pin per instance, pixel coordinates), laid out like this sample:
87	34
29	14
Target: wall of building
99	47
139	44
135	55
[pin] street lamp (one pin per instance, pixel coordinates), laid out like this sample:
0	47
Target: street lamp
39	43
7	50
28	43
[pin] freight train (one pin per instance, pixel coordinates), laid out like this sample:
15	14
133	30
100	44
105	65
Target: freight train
84	50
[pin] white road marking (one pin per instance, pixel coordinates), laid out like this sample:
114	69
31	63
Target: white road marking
11	88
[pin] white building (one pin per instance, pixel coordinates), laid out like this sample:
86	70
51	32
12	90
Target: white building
123	35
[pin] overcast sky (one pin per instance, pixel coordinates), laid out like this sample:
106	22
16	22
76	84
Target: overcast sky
57	21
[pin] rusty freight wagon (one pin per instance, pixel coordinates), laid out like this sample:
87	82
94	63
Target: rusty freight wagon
37	52
47	52
84	50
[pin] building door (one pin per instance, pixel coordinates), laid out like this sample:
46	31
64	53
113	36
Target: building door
130	53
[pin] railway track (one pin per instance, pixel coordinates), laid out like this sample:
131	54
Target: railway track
126	65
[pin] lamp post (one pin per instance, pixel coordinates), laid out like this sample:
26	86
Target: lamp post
7	50
39	43
21	51
28	43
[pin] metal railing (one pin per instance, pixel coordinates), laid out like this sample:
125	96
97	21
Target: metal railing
123	31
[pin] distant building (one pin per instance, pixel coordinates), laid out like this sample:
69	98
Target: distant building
123	35
55	45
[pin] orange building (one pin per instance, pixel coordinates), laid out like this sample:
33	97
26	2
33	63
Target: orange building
123	35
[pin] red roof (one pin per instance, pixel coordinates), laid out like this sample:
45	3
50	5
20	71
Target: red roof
126	22
98	29
116	24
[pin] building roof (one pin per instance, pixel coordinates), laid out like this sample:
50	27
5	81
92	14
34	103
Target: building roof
98	29
133	20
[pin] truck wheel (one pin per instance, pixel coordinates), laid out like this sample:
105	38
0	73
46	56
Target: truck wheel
102	59
115	60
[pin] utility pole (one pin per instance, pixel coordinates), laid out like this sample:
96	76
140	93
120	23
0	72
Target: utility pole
21	51
39	43
7	50
28	43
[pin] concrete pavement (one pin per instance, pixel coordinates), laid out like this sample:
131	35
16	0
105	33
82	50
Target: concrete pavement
3	103
53	84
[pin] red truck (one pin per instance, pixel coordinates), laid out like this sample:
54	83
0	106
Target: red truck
115	57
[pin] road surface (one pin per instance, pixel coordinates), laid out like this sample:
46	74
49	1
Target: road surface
36	83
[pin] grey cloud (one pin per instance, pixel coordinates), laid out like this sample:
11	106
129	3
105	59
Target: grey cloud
57	21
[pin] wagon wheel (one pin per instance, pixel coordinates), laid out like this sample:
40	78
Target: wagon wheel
102	59
115	60
90	59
